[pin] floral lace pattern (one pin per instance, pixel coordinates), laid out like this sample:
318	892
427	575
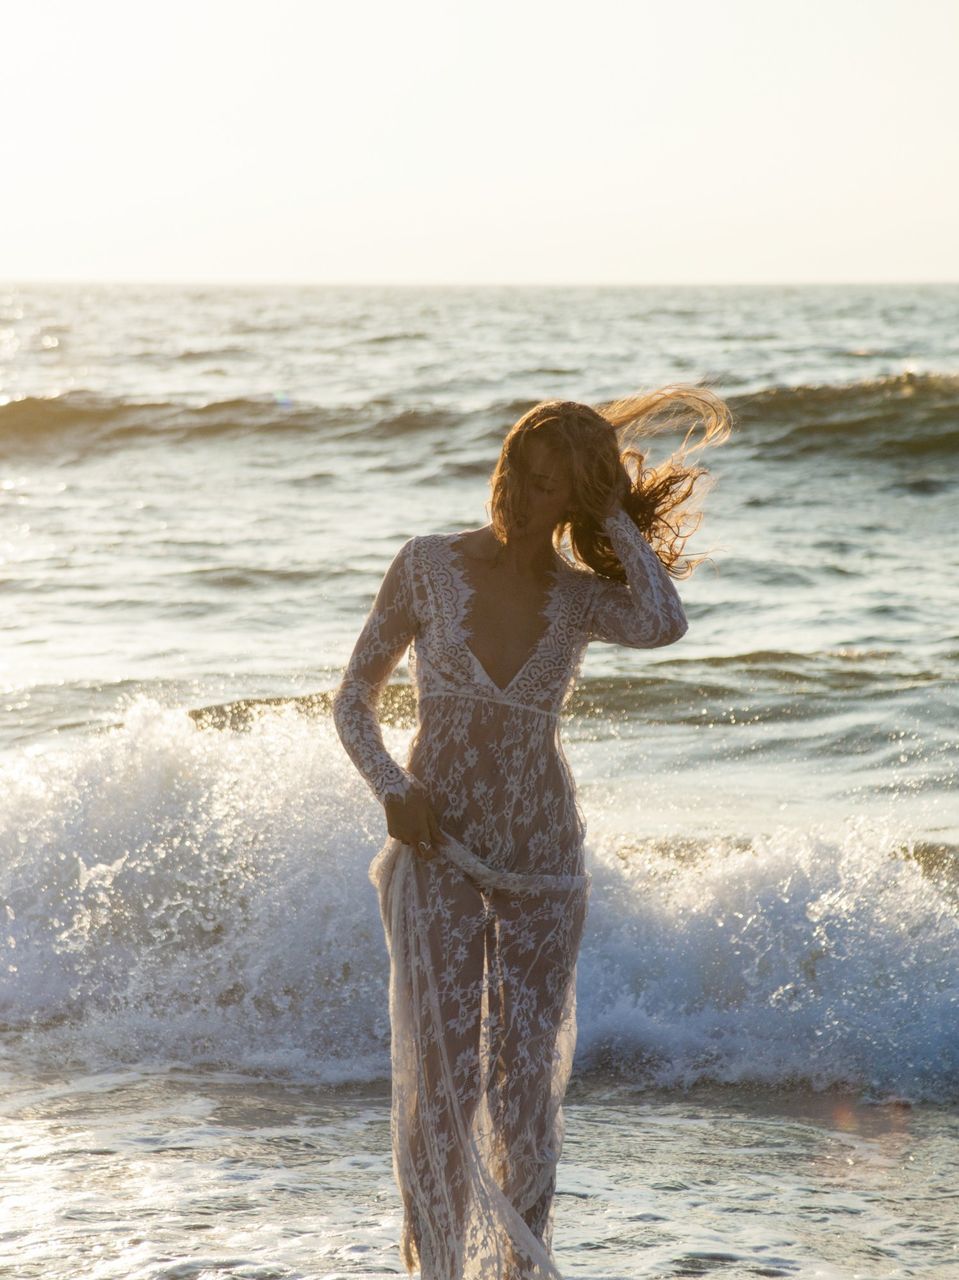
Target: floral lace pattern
484	938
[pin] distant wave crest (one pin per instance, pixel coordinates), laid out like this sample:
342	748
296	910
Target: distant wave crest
889	418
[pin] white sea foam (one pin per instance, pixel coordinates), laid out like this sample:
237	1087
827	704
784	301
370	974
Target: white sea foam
200	897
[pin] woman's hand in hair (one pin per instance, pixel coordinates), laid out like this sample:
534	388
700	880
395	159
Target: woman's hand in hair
619	493
411	820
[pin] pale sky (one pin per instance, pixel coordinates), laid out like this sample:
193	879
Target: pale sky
453	141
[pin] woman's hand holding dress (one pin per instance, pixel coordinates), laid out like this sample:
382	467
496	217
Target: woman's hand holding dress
411	820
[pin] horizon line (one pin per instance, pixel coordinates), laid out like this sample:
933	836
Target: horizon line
473	284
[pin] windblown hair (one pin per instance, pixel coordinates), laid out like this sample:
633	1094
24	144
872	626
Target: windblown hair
596	445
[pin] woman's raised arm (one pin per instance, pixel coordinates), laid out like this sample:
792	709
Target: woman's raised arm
385	637
645	613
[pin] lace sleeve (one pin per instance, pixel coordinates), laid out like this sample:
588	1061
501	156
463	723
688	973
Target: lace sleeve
646	613
385	637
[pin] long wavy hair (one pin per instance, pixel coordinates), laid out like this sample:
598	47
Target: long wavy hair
596	443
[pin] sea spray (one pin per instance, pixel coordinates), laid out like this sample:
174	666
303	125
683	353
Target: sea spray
181	895
829	958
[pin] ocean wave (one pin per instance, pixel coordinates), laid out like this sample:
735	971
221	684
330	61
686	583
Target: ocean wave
174	895
382	339
896	418
85	422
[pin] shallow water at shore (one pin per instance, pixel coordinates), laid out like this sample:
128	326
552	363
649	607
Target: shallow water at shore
175	1174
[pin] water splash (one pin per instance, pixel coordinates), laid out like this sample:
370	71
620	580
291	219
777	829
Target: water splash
177	894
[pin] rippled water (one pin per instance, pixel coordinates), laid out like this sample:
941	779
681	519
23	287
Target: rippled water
182	1175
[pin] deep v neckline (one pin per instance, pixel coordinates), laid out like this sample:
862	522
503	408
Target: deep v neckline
546	613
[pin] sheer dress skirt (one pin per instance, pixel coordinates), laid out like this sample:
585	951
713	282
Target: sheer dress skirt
482	1008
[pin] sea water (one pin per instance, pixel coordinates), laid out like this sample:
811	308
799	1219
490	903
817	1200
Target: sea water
201	489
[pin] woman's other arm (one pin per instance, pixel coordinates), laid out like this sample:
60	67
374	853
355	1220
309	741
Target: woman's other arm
645	613
385	637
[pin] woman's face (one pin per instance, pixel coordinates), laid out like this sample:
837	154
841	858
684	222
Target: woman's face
547	491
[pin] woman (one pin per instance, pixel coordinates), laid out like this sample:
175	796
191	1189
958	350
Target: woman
482	886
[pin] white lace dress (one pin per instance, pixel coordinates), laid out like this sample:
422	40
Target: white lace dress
483	939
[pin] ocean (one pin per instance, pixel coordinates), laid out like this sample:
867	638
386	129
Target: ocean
201	488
